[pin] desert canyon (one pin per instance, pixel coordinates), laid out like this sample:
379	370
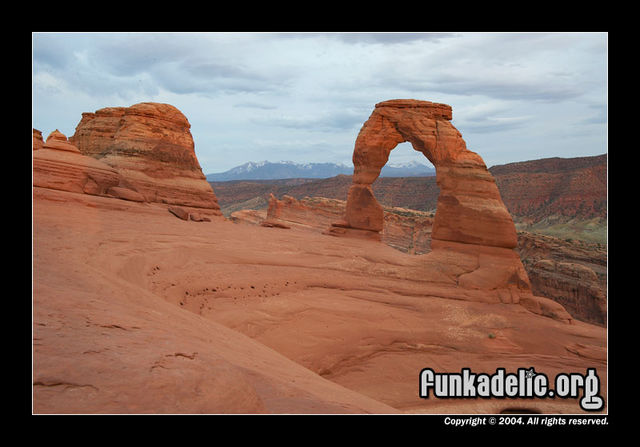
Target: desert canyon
147	299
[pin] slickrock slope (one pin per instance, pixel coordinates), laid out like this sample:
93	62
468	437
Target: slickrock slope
149	313
104	342
151	146
572	273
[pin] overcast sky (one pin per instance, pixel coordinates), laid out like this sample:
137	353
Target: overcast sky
303	97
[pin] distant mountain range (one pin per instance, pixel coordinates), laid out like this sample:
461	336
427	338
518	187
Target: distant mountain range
266	170
542	194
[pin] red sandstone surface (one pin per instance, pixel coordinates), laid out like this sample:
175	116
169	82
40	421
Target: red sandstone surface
404	229
139	310
573	273
58	164
149	313
151	146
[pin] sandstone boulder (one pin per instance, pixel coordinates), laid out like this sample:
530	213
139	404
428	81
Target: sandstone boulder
151	146
546	307
197	217
179	212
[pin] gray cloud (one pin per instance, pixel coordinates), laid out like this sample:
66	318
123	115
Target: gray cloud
600	116
508	89
176	79
391	37
210	70
198	76
120	63
255	105
130	54
50	50
546	67
386	38
493	124
339	120
302	87
502	87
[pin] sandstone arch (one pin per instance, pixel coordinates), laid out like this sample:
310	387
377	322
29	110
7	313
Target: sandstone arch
469	210
473	237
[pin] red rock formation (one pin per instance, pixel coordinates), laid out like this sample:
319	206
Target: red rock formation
60	165
470	209
126	194
288	211
37	140
251	217
151	146
570	273
180	213
473	235
573	273
572	187
184	214
405	230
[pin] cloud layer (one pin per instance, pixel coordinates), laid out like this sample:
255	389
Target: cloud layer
304	96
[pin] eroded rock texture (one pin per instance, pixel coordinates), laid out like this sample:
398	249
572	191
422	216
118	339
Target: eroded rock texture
38	142
573	273
58	164
406	230
151	146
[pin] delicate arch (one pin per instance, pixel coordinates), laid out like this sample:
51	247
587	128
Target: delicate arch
469	209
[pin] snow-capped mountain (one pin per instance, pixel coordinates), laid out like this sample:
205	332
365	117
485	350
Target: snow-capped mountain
411	169
266	170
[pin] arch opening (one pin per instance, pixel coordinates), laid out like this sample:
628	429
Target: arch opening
405	155
407	180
